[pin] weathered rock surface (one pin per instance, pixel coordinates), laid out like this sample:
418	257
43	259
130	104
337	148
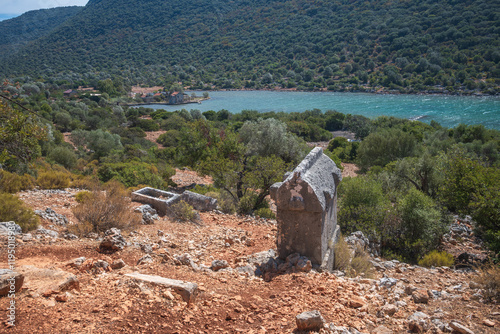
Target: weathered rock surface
187	290
458	327
9	278
310	321
43	279
307	210
112	242
5	227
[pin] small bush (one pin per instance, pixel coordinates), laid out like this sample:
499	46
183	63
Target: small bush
53	180
355	263
489	280
132	174
13	209
247	203
81	229
106	208
171	138
224	201
360	264
265	213
182	211
84	182
83	196
63	156
436	259
13	183
342	255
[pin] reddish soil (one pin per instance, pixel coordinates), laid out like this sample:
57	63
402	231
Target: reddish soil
228	302
152	136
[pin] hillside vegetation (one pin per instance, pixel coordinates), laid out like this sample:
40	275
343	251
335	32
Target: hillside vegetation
414	174
408	46
30	26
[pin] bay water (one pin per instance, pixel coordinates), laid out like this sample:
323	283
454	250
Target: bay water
449	111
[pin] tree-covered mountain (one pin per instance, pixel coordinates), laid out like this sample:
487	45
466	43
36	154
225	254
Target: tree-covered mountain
343	45
30	26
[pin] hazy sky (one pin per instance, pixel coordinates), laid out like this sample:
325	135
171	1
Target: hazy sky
14	7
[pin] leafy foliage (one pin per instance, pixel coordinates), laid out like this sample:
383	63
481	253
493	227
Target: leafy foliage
13	209
437	259
408	46
19	135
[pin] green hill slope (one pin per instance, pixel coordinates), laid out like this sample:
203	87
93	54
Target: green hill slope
30	26
408	45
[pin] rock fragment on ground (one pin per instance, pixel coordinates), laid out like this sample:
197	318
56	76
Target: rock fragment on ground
187	290
310	321
10	281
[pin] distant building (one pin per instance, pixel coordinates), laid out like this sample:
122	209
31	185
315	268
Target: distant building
176	98
70	93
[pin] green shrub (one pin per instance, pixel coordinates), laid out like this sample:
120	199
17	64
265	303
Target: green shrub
63	156
53	180
107	207
224	201
337	142
13	209
148	124
131	174
362	206
204	189
83	196
335	159
171	138
437	259
247	203
265	213
421	224
182	211
13	183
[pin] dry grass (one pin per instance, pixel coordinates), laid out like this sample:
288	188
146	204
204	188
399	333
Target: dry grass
342	255
357	264
106	208
489	279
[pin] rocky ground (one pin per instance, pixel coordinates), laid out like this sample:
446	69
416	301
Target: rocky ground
75	285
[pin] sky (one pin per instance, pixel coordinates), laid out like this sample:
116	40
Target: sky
13	8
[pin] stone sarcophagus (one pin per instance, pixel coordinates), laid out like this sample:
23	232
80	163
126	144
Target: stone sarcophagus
306	204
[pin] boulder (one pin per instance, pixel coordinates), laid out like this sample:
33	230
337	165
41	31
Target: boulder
310	321
9	279
10	227
112	242
418	322
187	290
357	302
218	265
420	296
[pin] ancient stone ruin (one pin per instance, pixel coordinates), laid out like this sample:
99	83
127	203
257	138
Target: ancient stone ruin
161	200
306	204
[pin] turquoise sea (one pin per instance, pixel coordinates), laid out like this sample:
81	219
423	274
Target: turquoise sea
449	111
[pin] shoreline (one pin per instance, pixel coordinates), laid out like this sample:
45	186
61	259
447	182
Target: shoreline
380	92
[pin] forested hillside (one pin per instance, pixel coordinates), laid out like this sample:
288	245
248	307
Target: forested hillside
341	45
30	26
